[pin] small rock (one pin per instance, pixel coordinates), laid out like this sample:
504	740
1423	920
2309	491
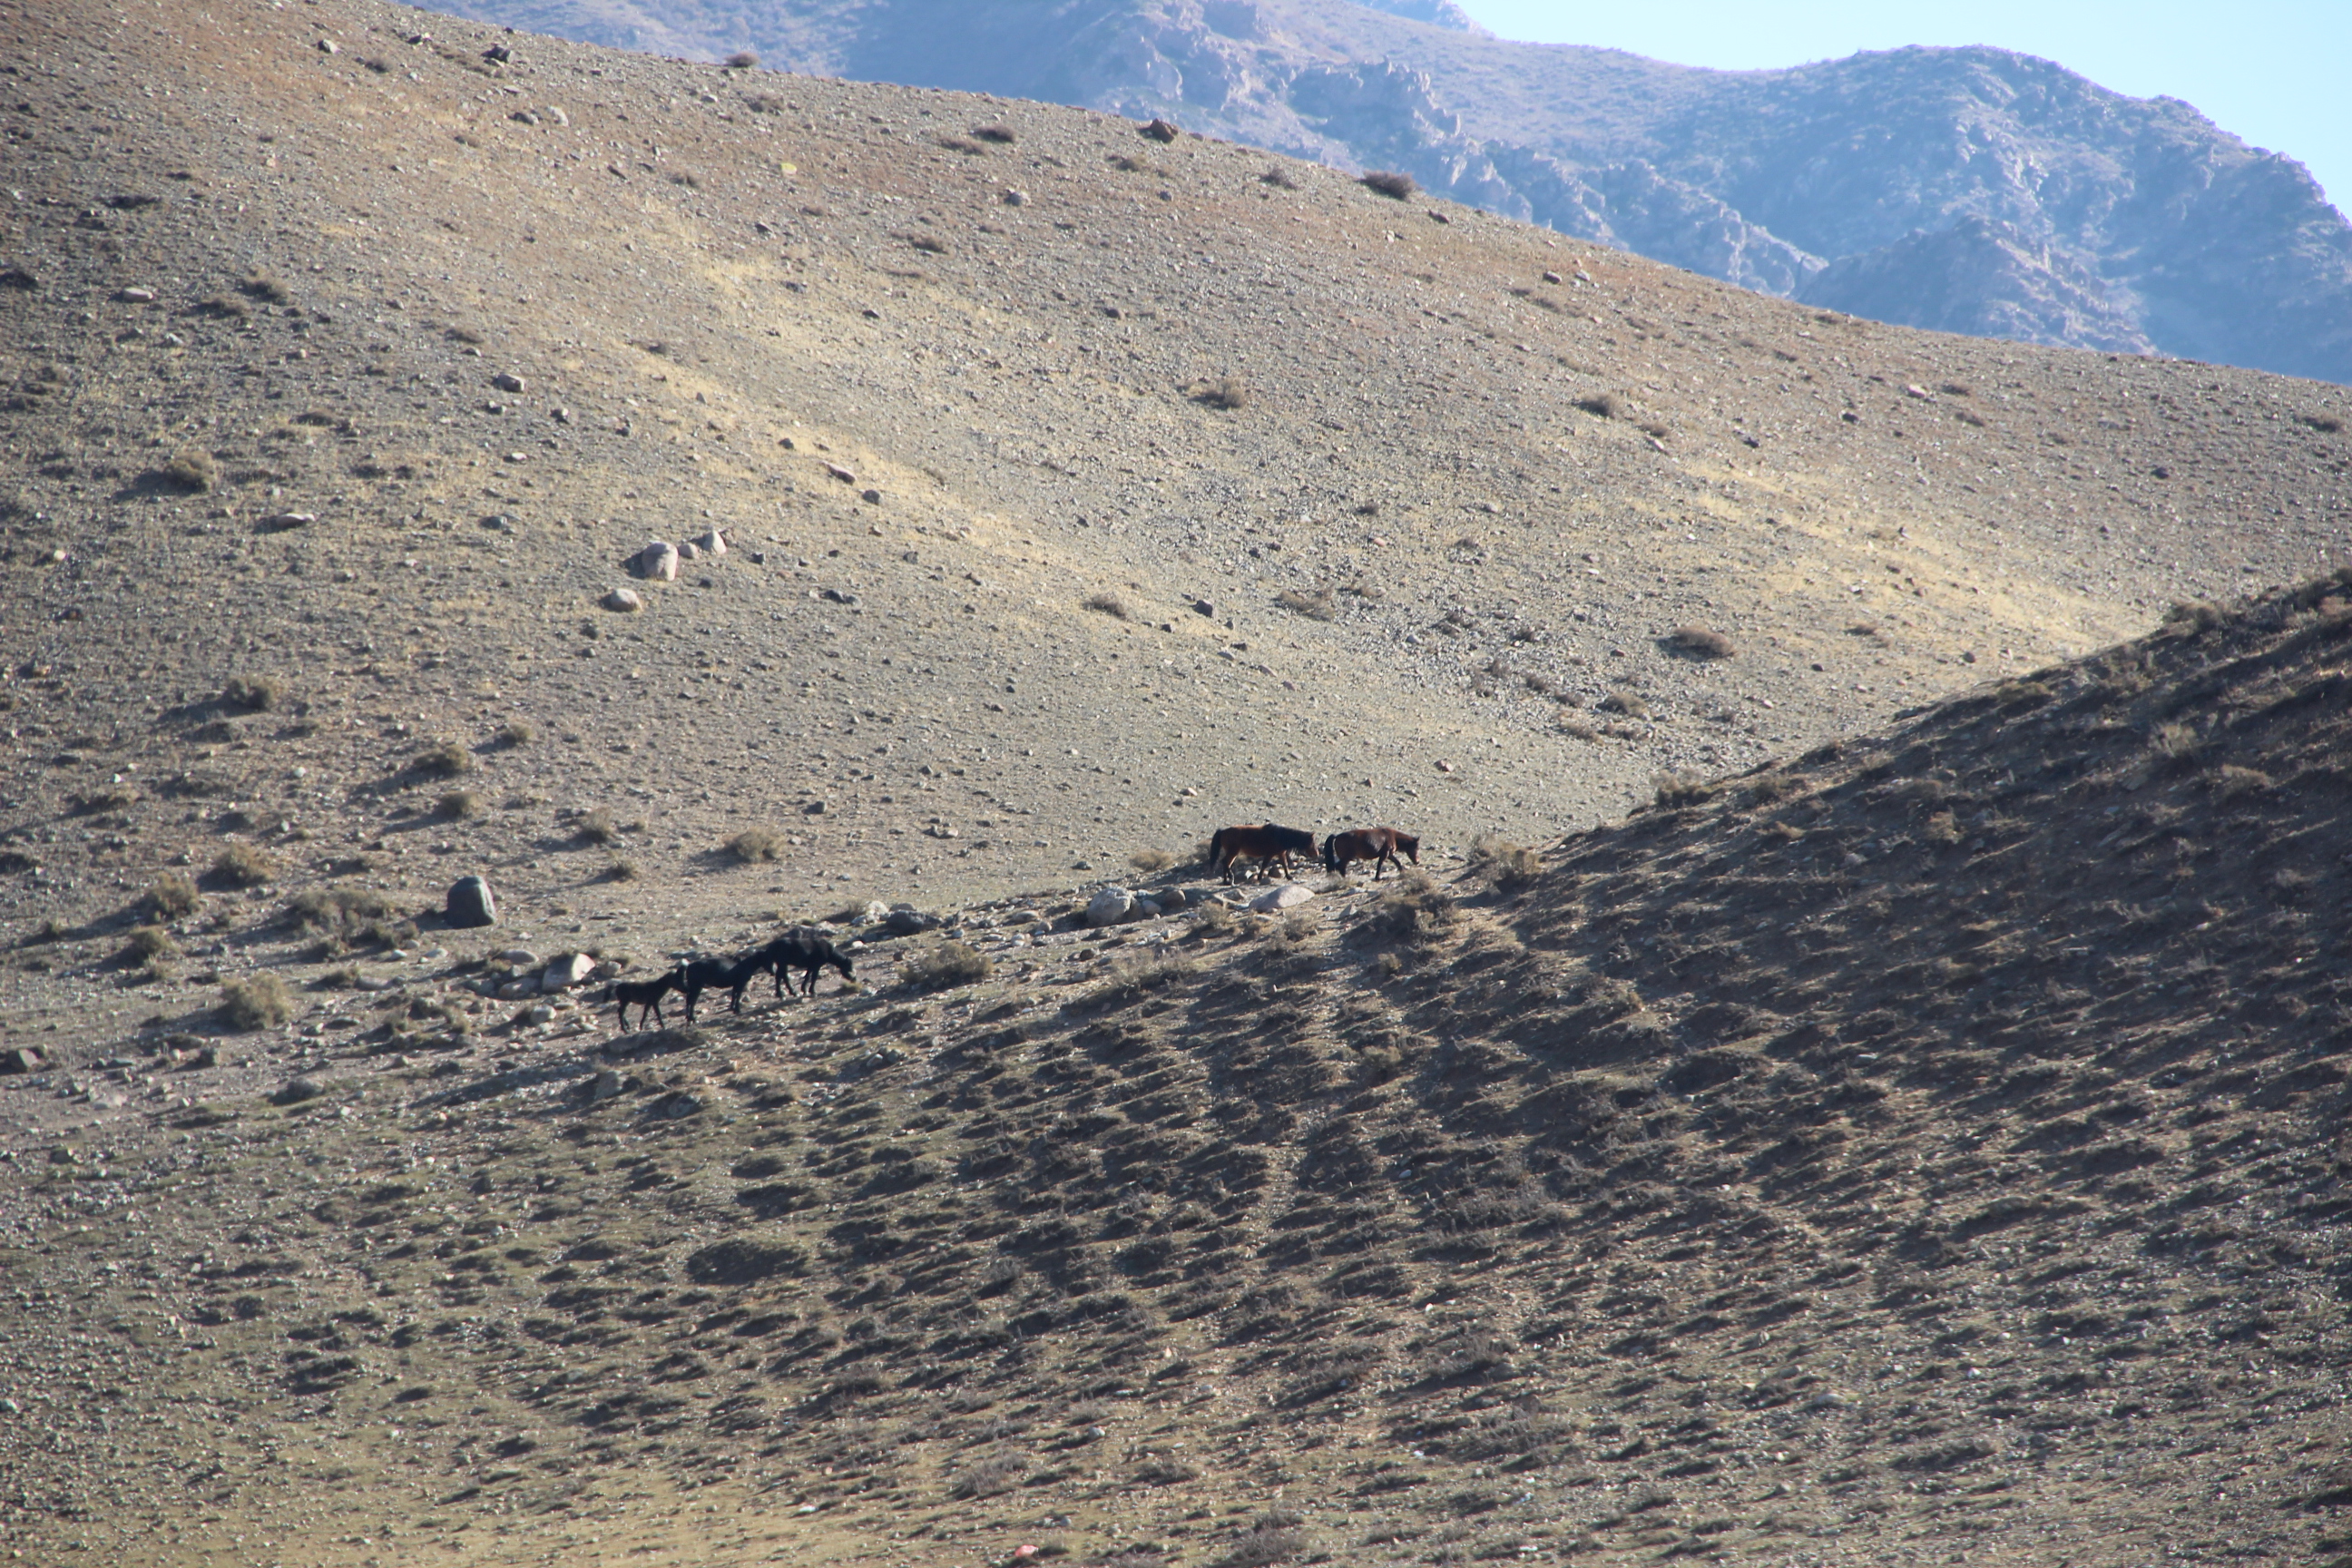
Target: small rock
871	498
297	1090
136	296
539	1014
877	911
814	808
657	562
22	1059
502	523
1110	907
1551	277
470	904
1147	909
506	381
517	958
1017	198
839	472
565	973
1446	767
712	543
1288	896
1921	393
624	600
604	1086
1161	131
1203	607
675	1106
329	47
908	922
689	551
518	990
279	522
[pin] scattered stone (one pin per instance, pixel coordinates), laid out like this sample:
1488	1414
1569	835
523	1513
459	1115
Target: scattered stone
675	1106
657	562
1017	198
1161	131
1110	907
22	1059
689	551
814	808
712	543
908	921
565	973
297	1090
539	1014
624	600
1921	393
329	47
1551	277
518	990
839	472
1147	909
135	296
877	911
1203	607
1288	896
470	903
279	522
870	496
517	958
604	1086
506	381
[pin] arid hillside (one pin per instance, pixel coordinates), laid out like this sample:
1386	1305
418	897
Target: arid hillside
1927	1148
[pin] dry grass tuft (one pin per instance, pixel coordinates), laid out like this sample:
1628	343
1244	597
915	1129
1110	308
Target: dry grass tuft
253	693
1600	406
1219	392
1003	135
515	732
743	60
1505	865
1151	862
944	964
1389	183
756	845
595	827
458	804
1698	642
1109	604
991	1475
1624	703
341	913
1676	790
263	286
442	760
244	866
622	870
1319	605
146	944
255	1001
1413	905
191	471
174	897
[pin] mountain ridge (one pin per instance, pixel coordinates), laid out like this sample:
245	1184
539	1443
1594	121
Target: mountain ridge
2130	225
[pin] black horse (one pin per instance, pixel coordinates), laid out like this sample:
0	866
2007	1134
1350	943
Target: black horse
804	949
730	974
643	994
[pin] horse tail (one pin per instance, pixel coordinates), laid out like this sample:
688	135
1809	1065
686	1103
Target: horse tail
1217	848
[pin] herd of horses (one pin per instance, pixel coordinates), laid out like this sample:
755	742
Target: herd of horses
799	949
803	948
1272	845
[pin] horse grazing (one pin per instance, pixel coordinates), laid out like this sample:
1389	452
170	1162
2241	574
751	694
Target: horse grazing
730	974
643	994
1264	842
1378	844
804	949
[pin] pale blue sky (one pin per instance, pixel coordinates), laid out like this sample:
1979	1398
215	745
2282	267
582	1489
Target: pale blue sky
2276	72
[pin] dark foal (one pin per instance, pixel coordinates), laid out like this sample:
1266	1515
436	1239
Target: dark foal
805	951
643	994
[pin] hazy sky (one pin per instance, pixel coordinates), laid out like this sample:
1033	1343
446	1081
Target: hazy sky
2276	72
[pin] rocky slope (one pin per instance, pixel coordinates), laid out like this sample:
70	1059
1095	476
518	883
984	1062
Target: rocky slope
1973	190
340	381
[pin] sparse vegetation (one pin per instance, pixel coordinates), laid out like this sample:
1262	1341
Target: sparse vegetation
743	60
1219	392
1624	703
347	917
1599	404
2325	424
252	693
1698	642
243	865
1508	865
1278	179
442	760
190	470
1413	905
991	1475
1108	603
1319	605
594	827
263	286
147	944
1151	862
1674	790
754	846
516	732
1389	183
458	806
1003	135
255	1001
174	896
622	870
941	965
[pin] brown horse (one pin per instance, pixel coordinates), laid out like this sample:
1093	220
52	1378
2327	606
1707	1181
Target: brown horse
1379	845
1264	842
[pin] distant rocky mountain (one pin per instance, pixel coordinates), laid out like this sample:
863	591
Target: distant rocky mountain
1973	189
